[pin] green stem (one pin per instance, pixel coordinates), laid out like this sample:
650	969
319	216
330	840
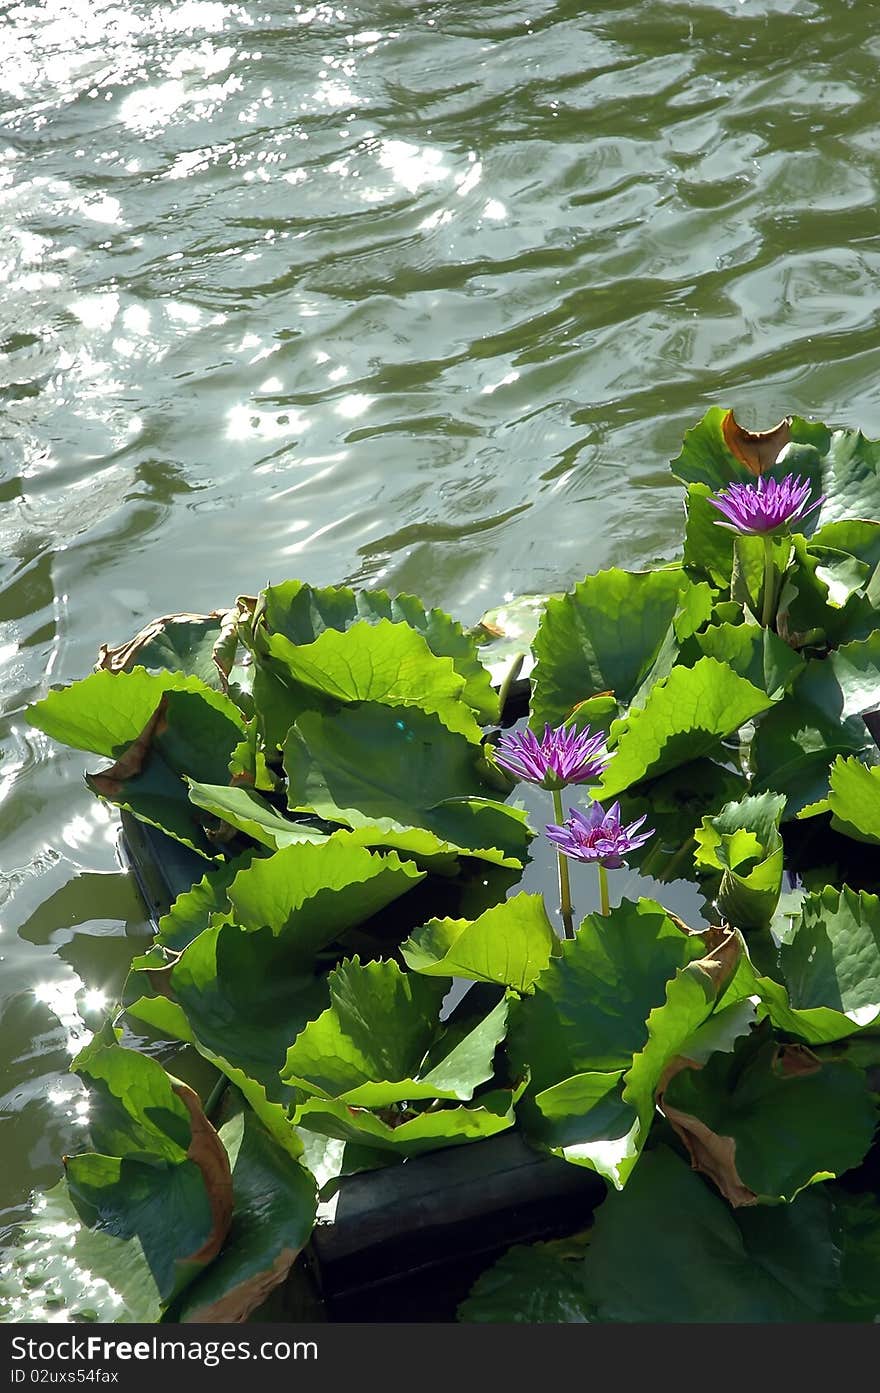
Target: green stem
565	905
604	902
768	615
211	1105
510	677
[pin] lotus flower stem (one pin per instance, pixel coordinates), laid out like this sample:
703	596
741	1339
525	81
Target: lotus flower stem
565	905
212	1104
510	677
604	901
768	614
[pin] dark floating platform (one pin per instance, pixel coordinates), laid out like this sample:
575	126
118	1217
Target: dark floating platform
405	1243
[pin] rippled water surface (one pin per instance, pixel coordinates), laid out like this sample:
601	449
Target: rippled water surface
420	295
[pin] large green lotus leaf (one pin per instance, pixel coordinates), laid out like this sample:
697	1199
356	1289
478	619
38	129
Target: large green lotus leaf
169	1019
702	1005
755	653
384	662
858	537
602	1120
273	1217
247	988
60	1264
392	768
853	800
670	1249
302	612
603	636
771	1118
832	959
425	1131
106	712
157	796
191	733
686	716
708	548
159	1172
134	1110
749	569
845	465
313	893
194	909
246	996
510	944
125	1231
539	1284
796	743
590	1005
247	811
379	1026
164	1208
381	1042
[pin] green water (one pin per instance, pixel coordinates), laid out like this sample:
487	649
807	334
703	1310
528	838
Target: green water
419	295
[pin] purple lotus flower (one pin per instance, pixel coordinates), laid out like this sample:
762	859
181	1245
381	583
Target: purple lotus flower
765	506
561	757
598	837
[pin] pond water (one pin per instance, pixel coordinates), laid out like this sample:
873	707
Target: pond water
420	295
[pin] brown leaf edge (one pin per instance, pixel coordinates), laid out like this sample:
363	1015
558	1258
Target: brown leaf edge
236	1305
210	1155
711	1154
756	449
121	657
109	783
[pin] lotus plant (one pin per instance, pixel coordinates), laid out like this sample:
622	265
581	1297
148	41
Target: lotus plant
563	756
601	838
765	509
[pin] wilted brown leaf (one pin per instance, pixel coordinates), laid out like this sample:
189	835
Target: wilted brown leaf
723	951
159	979
120	658
710	1153
209	1154
236	1305
109	783
759	449
794	1061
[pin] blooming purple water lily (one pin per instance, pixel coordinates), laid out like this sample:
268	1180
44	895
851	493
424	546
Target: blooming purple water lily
598	836
765	506
562	756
